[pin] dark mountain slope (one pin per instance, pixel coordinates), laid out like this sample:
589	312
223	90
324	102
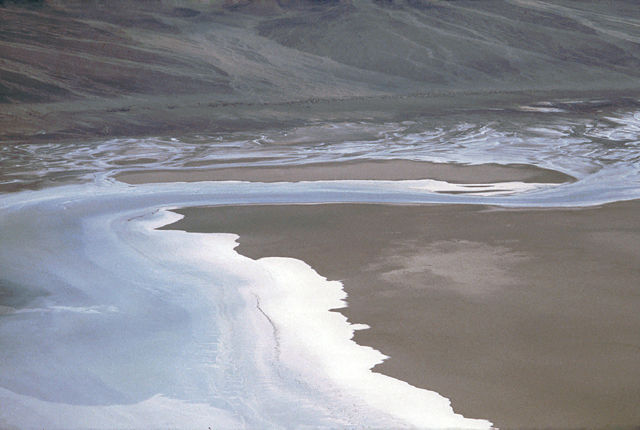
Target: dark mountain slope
462	44
62	59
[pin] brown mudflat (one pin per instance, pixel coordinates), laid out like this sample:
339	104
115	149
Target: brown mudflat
380	170
526	317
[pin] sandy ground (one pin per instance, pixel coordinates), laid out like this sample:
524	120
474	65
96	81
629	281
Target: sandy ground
177	115
526	317
382	170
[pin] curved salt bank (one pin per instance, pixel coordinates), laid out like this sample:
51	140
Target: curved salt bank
141	327
318	345
314	344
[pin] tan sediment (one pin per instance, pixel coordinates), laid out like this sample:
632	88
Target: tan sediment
354	170
526	317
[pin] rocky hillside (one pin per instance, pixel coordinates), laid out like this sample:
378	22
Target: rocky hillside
114	55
